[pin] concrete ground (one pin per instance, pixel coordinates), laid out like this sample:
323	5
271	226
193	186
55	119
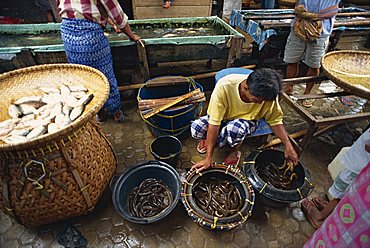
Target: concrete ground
268	227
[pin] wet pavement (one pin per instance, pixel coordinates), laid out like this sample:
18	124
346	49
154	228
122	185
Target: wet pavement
268	227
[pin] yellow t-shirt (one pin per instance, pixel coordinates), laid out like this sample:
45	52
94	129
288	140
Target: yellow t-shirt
226	104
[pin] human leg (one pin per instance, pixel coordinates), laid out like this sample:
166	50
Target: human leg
198	129
291	72
167	4
293	53
235	131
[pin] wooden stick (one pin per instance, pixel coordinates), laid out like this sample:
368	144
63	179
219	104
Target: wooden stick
198	76
170	104
144	107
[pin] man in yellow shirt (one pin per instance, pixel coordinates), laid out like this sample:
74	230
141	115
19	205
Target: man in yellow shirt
237	103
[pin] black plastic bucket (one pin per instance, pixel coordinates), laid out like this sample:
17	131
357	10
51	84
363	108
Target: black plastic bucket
267	194
166	149
133	176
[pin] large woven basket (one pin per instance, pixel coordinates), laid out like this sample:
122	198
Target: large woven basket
350	70
58	175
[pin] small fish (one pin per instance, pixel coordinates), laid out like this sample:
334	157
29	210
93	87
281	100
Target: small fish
49	90
27	109
66	109
53	127
64	91
70	101
76	88
36	132
9	122
15	139
52	98
168	35
14	111
85	100
191	32
78	94
28	117
28	100
76	112
56	109
20	132
5	130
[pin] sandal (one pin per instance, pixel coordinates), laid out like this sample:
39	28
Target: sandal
306	205
102	115
346	101
308	103
202	147
235	161
119	116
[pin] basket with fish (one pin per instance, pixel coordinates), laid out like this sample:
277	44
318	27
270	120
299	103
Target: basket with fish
271	176
350	70
220	198
147	192
55	160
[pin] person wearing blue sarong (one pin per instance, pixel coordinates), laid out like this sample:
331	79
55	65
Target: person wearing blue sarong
85	43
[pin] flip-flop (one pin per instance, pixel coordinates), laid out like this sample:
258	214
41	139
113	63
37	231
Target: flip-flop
235	161
202	147
319	203
305	209
308	103
346	101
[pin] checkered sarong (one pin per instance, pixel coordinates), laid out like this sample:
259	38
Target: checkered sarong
232	132
86	44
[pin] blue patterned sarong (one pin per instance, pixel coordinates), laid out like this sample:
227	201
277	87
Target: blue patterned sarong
86	44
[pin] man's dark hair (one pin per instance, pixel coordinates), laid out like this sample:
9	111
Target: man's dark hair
265	83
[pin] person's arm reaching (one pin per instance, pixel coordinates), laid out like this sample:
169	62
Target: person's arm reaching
289	153
119	18
212	134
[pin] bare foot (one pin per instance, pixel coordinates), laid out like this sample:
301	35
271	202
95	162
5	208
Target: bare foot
320	203
311	212
288	89
167	5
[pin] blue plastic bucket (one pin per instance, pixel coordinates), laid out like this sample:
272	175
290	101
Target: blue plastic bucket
174	122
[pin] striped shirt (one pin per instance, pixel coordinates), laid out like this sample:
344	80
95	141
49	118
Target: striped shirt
93	10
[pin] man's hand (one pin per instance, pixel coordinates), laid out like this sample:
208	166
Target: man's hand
290	154
134	37
202	165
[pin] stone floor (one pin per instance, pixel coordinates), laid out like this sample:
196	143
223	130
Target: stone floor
268	227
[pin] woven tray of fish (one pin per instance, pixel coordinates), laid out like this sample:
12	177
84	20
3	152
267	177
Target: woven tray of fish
217	197
149	199
278	176
50	111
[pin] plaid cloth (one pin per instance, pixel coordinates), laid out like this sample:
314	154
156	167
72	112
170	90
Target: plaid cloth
94	10
86	44
349	224
232	132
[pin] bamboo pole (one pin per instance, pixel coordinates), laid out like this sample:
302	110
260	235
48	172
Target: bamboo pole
170	104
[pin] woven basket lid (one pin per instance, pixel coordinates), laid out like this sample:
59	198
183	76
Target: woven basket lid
350	70
27	81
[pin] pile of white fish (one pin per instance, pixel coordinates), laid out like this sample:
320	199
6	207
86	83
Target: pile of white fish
54	109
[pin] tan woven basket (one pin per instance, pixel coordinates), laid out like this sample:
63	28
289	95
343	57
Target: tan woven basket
59	175
350	70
